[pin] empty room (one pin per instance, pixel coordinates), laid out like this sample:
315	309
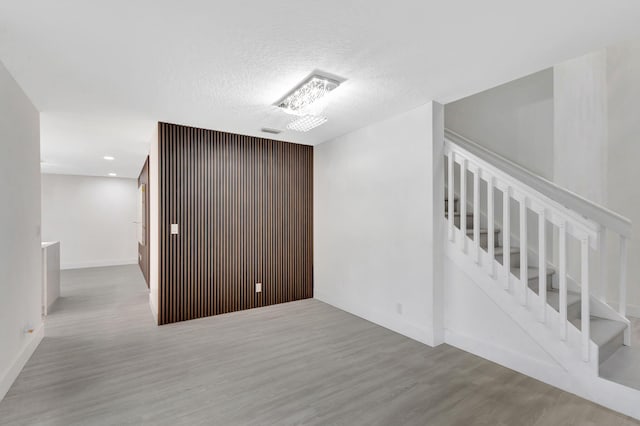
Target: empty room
338	213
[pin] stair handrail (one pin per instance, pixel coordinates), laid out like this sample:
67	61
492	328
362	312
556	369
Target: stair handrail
590	210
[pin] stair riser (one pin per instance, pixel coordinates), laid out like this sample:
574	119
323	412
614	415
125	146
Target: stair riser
514	261
484	238
609	348
534	283
456	205
456	221
574	311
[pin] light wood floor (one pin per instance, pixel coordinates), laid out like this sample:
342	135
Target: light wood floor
104	362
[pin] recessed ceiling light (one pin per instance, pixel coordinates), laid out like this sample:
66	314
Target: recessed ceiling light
306	123
108	157
112	174
309	91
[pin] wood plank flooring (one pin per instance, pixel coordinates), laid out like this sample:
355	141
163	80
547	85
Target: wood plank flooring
104	362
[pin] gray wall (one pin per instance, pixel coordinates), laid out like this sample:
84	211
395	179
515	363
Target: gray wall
514	120
20	256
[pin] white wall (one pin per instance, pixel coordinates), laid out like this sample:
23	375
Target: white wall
92	217
374	236
514	120
623	173
20	253
596	147
580	126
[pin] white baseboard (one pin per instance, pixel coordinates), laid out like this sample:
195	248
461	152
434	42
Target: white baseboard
398	324
99	263
11	374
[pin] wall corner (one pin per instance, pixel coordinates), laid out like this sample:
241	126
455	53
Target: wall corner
437	194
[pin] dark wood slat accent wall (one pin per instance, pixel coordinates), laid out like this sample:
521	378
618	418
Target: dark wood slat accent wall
244	207
144	251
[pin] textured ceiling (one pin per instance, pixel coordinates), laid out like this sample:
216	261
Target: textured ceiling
102	73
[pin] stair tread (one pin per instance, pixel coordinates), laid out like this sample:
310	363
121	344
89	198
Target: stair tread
457	213
553	298
500	250
602	330
532	272
482	231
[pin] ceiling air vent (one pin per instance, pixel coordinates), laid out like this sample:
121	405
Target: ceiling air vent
271	131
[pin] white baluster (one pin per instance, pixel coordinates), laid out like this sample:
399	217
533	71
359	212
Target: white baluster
585	299
563	279
603	291
542	263
476	214
451	202
622	303
490	227
463	203
506	236
524	269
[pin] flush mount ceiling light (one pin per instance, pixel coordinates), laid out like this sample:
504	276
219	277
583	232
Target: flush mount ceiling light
306	123
306	93
112	174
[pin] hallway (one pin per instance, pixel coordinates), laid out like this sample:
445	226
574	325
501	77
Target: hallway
104	362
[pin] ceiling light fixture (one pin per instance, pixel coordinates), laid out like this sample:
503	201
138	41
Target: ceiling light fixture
108	158
306	93
112	174
306	123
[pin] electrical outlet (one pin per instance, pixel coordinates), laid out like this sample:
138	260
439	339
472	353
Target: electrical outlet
399	308
258	287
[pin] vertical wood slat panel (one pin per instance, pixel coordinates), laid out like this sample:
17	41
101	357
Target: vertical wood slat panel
244	209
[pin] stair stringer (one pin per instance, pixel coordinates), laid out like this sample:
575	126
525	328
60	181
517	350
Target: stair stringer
580	378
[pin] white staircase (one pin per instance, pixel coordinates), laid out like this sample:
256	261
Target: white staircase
554	282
